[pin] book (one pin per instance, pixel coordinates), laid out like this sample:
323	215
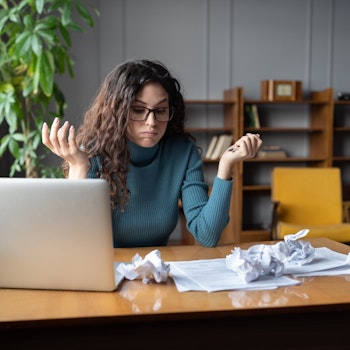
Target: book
248	116
256	119
222	144
272	154
271	147
271	151
211	147
251	116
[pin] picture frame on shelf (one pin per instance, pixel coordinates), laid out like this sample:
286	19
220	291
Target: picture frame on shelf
281	90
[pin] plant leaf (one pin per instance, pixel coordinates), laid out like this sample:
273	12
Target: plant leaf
19	137
65	35
39	4
36	75
67	13
36	44
23	44
28	21
47	73
84	13
13	147
4	144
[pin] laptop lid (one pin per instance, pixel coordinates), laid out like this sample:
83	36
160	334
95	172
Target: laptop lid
56	234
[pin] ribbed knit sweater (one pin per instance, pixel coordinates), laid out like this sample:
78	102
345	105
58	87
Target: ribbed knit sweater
157	178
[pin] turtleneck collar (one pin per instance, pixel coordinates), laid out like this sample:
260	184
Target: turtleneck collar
142	156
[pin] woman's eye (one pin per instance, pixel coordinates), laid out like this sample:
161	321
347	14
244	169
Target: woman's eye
138	110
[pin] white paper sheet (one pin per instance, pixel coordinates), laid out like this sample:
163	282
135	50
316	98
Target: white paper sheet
337	271
326	263
212	275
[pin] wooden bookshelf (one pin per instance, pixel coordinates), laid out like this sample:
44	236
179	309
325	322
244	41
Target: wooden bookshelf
312	126
318	123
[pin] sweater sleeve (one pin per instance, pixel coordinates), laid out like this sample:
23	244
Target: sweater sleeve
206	216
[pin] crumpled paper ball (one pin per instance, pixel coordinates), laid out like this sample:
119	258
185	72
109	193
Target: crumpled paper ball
150	267
264	259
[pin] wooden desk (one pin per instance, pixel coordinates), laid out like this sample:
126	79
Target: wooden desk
315	314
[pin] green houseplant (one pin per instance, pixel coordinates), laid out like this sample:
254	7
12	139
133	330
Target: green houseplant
34	48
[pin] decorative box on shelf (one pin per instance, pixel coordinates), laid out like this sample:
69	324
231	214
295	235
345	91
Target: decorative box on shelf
281	90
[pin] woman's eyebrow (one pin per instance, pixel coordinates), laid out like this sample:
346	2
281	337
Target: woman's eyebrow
140	101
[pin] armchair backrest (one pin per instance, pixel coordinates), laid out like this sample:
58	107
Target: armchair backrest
308	196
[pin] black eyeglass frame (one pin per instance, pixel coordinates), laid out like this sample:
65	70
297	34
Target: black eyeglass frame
154	111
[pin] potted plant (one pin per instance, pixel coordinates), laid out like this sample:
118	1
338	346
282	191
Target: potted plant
34	48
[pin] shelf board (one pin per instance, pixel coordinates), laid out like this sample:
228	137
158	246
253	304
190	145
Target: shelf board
286	160
341	158
261	188
285	129
209	130
300	102
342	128
342	103
209	102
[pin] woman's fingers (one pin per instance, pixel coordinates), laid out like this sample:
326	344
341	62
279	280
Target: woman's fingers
45	136
60	140
253	143
53	141
244	148
247	145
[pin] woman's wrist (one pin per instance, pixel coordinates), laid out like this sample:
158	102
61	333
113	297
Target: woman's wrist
78	171
224	173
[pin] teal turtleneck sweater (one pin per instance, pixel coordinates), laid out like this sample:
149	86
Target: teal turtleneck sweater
158	177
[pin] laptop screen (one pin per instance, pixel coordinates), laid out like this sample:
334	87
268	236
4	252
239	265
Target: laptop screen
56	234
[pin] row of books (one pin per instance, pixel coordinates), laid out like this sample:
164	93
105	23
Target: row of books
217	146
251	116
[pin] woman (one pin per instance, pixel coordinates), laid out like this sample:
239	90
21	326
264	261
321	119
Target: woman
133	136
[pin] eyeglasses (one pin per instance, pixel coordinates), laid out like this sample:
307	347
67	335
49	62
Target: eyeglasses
140	114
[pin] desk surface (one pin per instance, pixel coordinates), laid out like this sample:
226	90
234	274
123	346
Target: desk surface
134	300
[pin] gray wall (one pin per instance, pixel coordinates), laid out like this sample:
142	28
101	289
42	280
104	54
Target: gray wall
211	45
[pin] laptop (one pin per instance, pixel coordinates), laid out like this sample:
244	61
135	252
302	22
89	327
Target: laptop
56	234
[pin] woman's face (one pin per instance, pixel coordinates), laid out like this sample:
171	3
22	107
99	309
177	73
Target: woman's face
148	133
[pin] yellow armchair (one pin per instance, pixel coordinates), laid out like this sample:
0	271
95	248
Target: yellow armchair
308	198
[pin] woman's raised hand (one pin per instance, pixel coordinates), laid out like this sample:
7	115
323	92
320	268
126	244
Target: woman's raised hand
61	141
244	148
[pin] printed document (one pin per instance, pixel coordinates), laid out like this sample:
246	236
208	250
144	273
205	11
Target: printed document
212	274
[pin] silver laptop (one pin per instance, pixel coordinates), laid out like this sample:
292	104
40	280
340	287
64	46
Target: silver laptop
56	234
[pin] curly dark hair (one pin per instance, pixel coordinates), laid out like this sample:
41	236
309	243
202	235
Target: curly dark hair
103	130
